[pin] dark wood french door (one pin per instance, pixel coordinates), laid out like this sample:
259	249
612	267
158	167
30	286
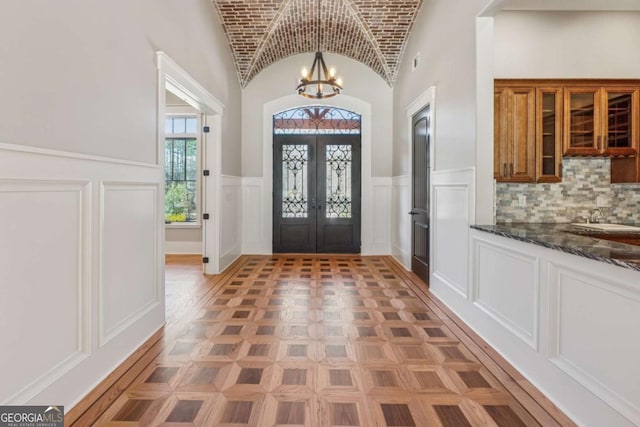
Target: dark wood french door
420	195
316	193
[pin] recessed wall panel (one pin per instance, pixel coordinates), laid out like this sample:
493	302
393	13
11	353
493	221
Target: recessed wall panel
41	283
506	287
593	347
451	235
128	279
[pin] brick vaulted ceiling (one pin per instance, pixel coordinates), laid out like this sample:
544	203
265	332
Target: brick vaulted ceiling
262	32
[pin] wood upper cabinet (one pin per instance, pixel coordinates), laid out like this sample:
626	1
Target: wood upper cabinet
601	120
549	134
514	134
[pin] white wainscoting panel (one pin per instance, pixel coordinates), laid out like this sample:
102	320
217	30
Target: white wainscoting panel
77	264
401	220
44	235
506	286
452	211
230	221
381	218
591	317
252	221
129	245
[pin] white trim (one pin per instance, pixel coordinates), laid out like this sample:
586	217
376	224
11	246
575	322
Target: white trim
531	339
104	335
181	84
292	101
83	350
399	184
71	155
554	352
176	80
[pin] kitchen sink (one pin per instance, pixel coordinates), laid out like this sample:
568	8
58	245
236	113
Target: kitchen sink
607	227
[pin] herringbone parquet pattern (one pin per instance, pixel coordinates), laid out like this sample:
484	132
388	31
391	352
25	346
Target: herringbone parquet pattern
316	341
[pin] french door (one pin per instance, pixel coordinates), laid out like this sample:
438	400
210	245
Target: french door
316	193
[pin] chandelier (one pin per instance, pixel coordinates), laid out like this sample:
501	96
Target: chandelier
319	82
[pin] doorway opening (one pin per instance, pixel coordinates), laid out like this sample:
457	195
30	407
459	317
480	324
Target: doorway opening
317	180
174	80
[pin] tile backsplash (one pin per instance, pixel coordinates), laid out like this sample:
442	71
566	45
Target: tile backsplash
584	180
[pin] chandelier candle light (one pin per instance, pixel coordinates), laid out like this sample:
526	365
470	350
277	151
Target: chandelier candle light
326	84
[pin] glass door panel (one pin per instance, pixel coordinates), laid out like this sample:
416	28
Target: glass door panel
548	134
582	129
619	118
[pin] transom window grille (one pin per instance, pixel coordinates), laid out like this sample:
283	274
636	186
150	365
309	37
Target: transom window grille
181	201
295	163
317	120
339	161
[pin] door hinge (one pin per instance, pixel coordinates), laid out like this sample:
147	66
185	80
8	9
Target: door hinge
205	260
205	216
206	129
205	172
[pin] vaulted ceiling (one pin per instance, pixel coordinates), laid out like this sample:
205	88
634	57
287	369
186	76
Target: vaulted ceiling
262	32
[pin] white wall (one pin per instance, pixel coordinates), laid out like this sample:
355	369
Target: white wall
594	45
80	187
80	76
444	36
280	79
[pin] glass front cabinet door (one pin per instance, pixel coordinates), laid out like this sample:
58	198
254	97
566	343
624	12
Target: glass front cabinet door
601	121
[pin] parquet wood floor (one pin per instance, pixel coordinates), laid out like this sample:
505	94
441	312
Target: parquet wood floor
321	341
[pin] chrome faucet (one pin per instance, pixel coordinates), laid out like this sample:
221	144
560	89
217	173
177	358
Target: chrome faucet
596	216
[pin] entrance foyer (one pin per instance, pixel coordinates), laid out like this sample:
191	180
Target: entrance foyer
316	340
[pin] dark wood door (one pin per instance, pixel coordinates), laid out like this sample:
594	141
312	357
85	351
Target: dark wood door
420	195
316	193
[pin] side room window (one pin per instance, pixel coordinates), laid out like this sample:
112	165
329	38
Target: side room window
182	170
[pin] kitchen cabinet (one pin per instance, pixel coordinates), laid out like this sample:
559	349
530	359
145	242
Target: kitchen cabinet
601	120
549	134
514	134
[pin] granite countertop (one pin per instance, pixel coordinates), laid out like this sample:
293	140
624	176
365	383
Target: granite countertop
571	239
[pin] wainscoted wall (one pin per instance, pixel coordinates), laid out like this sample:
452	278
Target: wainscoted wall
584	180
230	220
379	240
254	235
376	219
542	309
452	211
81	268
401	220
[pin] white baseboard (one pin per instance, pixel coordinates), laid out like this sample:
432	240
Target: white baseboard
401	256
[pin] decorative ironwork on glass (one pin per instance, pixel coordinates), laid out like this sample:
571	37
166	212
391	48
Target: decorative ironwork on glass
317	120
339	161
295	160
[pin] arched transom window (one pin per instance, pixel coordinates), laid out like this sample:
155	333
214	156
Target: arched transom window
317	120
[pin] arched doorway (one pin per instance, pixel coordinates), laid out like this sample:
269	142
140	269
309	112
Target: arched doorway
316	180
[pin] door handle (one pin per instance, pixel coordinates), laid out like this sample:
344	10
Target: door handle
504	170
413	213
600	143
511	169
